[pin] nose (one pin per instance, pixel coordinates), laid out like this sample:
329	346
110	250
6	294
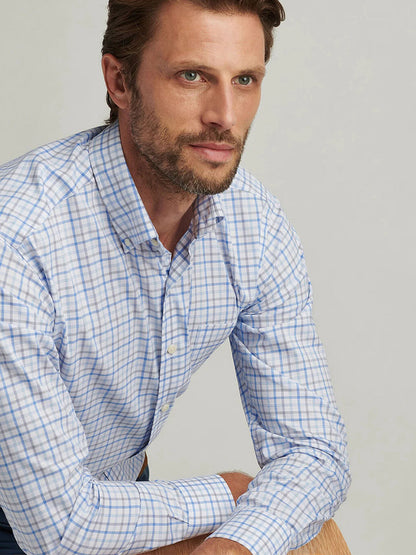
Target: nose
219	109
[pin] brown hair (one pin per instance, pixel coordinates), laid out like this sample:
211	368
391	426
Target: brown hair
132	23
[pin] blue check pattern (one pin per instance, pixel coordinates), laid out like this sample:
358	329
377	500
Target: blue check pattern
101	330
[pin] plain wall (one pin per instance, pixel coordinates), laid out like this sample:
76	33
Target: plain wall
334	141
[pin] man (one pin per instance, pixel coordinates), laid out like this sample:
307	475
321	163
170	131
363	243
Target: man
128	254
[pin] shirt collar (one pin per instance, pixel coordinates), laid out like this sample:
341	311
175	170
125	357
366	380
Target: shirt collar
124	205
208	213
118	191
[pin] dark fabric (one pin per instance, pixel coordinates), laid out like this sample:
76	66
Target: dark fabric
144	474
8	545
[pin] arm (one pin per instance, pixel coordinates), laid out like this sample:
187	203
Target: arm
220	546
297	432
50	497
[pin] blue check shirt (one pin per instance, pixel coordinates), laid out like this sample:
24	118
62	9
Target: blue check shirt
101	330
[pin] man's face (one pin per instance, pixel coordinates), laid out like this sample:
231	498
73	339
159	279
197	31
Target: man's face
196	94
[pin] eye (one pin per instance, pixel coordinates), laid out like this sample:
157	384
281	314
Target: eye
190	75
244	80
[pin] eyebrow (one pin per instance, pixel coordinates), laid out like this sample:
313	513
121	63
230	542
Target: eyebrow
192	64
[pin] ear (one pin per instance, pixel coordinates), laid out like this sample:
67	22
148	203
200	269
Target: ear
114	80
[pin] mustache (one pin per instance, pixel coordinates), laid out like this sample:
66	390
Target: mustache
210	136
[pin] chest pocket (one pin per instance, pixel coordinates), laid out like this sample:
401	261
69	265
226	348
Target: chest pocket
213	307
212	318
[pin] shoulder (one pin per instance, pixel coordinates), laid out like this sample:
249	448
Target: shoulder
247	187
251	208
32	185
255	224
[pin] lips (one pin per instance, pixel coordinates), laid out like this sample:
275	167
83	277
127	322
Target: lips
214	152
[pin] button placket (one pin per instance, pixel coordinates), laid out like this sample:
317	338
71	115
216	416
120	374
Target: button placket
173	359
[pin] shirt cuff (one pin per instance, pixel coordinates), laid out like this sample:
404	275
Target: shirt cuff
209	503
171	511
260	532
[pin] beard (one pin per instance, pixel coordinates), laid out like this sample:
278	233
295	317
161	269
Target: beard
165	156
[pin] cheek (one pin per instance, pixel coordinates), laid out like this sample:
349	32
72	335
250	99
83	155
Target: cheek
247	110
176	109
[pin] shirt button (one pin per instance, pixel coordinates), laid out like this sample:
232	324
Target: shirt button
172	349
128	243
155	242
165	408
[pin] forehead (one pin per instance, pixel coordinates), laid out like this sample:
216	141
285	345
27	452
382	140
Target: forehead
185	31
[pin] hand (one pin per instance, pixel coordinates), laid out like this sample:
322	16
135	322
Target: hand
237	482
220	546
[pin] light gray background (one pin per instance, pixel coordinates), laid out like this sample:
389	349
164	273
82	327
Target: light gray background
335	141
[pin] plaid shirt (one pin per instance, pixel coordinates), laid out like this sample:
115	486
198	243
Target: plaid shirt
101	330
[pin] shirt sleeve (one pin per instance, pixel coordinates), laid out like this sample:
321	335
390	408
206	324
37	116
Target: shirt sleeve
297	431
52	502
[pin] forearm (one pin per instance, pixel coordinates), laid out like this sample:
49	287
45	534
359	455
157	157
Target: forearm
269	520
220	546
298	434
202	545
185	547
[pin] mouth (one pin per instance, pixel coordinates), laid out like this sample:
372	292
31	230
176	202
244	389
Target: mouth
214	152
